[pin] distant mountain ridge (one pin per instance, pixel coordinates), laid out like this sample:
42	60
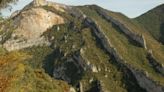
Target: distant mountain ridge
153	21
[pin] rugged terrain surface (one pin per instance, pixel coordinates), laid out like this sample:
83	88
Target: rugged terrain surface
50	47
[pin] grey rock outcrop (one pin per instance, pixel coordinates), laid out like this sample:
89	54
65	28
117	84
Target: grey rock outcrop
132	35
146	83
30	26
63	72
142	79
154	63
11	45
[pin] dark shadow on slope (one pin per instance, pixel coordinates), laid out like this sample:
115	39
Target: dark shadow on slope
128	79
68	68
161	38
133	42
75	67
157	67
48	63
96	87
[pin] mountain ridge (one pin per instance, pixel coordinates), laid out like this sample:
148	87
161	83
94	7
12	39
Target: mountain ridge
89	49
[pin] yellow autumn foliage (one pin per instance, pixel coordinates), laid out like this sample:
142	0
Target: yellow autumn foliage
15	56
11	67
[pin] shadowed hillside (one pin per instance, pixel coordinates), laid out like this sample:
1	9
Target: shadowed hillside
153	22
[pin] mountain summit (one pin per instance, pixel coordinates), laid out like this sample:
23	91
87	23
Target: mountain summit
51	47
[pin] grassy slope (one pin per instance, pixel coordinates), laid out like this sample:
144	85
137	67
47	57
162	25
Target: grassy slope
152	44
153	22
91	53
32	72
17	73
134	55
96	56
22	70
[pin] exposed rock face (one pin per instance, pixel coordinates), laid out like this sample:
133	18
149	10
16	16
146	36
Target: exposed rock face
59	7
12	44
154	63
39	2
142	80
72	90
30	25
94	68
64	70
146	83
67	63
132	35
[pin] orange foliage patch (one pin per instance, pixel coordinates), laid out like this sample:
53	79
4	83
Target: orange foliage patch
4	82
6	61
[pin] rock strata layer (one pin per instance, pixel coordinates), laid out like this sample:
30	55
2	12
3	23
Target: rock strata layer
142	79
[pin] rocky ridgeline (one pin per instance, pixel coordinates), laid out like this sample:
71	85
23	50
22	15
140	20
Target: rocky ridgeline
31	23
132	35
142	79
57	6
39	3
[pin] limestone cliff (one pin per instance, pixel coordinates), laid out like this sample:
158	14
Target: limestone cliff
30	25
